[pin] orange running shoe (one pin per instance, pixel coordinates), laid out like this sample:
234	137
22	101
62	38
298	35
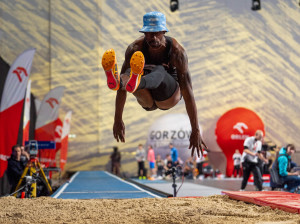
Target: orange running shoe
137	63
109	64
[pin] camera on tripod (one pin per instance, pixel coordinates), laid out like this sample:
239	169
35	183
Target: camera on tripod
171	171
33	148
33	181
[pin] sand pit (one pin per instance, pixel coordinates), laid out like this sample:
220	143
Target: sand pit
213	209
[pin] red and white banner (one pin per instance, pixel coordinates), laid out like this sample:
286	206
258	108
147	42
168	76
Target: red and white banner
26	118
47	120
12	104
58	133
37	104
233	128
64	140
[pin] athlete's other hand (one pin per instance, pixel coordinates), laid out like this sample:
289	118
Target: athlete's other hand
197	143
119	131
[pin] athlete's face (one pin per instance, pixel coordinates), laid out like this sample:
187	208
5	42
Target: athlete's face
155	39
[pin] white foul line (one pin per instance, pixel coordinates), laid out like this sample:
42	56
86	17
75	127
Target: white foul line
156	196
65	186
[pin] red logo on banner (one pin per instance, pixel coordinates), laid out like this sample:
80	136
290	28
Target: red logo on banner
51	102
58	132
233	128
18	71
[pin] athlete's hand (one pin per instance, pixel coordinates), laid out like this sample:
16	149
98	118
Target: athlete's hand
119	131
197	143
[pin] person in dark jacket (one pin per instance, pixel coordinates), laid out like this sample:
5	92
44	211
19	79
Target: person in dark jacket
15	167
286	175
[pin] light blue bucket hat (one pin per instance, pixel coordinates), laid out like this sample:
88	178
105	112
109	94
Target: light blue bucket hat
154	22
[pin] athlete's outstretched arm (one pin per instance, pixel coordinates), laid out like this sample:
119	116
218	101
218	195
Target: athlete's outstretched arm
119	127
179	59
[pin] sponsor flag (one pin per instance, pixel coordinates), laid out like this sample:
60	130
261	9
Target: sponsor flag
58	133
47	120
4	68
26	118
64	140
37	103
12	104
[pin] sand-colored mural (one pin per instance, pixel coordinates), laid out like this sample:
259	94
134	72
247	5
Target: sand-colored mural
237	58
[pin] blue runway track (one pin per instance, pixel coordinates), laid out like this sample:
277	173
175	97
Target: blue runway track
100	185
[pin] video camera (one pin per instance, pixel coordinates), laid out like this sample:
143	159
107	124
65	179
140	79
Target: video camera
171	171
267	147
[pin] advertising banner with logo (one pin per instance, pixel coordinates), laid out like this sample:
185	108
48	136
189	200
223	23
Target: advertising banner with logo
37	103
58	133
64	140
26	117
170	128
47	122
232	129
12	104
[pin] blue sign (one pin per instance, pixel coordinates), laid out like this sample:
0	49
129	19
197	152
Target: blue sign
45	144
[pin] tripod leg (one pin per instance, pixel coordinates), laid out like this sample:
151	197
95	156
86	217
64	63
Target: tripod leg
21	179
33	185
174	185
45	178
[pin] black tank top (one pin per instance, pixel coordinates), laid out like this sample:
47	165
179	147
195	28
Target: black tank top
165	60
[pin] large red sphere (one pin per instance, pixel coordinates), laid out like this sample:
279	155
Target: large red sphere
233	128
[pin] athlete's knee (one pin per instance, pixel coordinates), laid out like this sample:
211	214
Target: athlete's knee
154	107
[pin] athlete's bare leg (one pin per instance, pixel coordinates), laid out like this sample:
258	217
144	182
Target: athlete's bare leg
143	96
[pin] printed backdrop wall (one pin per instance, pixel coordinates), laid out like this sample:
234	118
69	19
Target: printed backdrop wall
237	58
171	128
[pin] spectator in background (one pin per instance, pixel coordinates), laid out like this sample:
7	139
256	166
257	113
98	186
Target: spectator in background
266	166
115	161
15	167
237	158
180	162
252	151
160	167
189	168
140	158
180	166
199	163
174	154
151	159
168	162
286	175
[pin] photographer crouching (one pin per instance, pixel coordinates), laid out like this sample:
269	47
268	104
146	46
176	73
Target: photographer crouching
16	165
